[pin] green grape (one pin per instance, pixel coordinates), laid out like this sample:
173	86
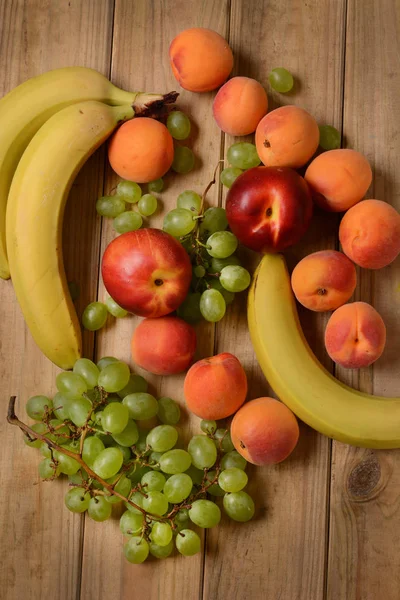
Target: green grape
105	361
129	191
45	450
199	271
79	410
223	440
202	451
154	481
141	405
212	305
115	418
188	542
79	478
239	506
190	201
71	384
175	461
37	405
126	452
141	444
115	309
215	284
110	206
208	426
147	205
92	446
131	523
129	436
161	534
179	222
66	464
123	487
155	503
73	290
221	244
168	411
135	473
229	175
329	137
177	488
196	475
136	384
217	264
233	459
47	469
183	160
214	219
234	278
154	458
108	462
137	498
162	438
88	371
114	377
189	310
127	221
94	316
99	509
243	155
181	520
232	480
156	186
136	550
77	500
205	513
213	489
178	125
281	80
161	551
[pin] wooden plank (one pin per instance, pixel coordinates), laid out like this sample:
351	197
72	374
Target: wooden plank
142	33
41	546
281	553
364	559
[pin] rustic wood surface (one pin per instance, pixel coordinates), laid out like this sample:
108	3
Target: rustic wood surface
327	525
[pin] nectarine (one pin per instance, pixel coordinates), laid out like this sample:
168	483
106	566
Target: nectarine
240	105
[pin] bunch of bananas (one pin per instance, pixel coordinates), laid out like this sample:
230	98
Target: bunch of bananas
49	126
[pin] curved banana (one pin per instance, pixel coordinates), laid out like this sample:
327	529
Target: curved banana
297	377
35	211
26	108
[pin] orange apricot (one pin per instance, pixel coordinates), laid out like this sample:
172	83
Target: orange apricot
215	387
338	179
240	105
370	234
201	59
287	137
324	280
355	335
264	431
141	150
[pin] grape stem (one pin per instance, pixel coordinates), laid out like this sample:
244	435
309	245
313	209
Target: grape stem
203	200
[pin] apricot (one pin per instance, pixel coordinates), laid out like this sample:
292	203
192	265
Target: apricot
141	150
240	105
201	59
355	335
324	280
338	179
264	431
164	346
287	137
370	234
215	387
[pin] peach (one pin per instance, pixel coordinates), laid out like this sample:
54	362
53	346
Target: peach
240	105
164	346
338	179
287	137
324	280
370	234
215	387
201	59
355	335
141	150
264	431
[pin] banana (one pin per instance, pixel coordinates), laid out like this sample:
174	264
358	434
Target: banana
297	377
26	108
35	211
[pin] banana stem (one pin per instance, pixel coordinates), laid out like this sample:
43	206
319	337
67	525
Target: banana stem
154	106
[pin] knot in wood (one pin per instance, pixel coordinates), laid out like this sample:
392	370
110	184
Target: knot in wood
364	478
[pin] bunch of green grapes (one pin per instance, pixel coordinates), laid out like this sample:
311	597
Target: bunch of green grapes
99	414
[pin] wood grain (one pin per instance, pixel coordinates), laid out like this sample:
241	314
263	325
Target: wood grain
364	560
40	550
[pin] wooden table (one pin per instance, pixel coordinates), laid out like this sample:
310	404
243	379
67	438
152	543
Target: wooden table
315	536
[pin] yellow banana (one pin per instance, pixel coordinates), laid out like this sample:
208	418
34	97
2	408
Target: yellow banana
35	211
26	108
297	377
